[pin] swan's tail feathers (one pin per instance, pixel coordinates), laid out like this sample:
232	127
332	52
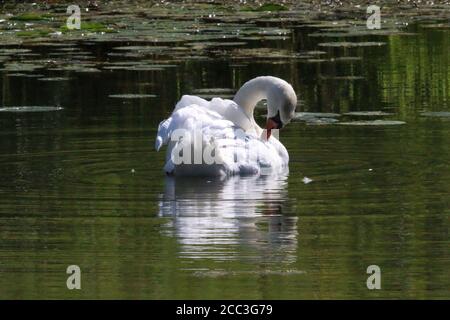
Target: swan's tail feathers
163	134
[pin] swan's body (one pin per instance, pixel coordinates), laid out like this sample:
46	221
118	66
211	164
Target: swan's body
227	132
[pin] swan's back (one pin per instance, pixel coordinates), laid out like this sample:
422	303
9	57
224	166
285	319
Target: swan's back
221	130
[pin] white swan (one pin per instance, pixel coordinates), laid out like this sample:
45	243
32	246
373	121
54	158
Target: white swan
220	137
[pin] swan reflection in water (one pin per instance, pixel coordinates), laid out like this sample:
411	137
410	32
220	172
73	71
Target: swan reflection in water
239	218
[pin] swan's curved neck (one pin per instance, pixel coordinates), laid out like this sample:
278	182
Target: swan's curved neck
255	90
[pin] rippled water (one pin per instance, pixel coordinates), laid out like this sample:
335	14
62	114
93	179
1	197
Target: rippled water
81	184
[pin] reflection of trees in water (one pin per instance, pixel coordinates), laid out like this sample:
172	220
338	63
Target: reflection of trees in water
238	218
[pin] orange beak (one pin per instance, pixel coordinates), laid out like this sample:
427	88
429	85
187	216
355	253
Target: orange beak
269	126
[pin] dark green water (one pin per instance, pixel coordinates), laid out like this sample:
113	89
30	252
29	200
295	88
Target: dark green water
84	186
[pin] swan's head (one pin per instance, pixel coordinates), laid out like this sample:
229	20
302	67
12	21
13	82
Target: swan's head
281	100
281	104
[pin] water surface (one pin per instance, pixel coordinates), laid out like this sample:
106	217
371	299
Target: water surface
80	182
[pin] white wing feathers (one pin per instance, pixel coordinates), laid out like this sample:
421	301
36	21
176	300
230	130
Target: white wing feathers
237	152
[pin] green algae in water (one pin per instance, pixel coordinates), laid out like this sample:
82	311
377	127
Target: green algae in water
31	17
52	44
34	33
89	26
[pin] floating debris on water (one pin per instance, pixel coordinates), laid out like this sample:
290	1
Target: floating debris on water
132	96
313	53
142	48
7	52
134	68
20	67
267	7
306	115
320	121
306	180
30	109
204	45
346	59
436	26
363	32
210	93
87	70
54	79
265	38
317	60
25	75
372	123
367	114
226	273
214	90
265	53
345	44
436	114
343	78
316	118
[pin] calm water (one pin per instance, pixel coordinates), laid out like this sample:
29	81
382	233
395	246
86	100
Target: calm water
83	185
